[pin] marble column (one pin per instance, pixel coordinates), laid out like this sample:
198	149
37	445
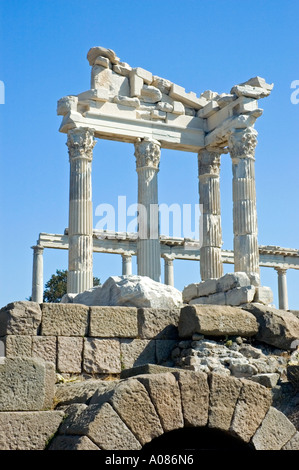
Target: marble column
38	274
282	288
80	144
242	145
209	198
126	264
147	153
168	270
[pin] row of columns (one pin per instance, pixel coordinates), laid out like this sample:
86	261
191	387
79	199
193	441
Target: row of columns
38	279
38	270
241	145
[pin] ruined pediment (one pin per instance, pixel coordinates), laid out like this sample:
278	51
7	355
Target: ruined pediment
134	95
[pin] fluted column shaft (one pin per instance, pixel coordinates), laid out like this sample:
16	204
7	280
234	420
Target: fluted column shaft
126	264
80	271
38	274
242	145
209	197
147	153
282	289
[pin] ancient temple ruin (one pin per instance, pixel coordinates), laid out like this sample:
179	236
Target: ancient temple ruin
132	105
123	376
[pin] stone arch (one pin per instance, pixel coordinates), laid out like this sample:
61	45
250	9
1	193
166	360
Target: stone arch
131	413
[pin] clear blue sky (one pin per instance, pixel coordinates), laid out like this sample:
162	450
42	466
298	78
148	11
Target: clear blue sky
197	44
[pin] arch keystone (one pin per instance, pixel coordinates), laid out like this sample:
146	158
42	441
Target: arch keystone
195	397
165	394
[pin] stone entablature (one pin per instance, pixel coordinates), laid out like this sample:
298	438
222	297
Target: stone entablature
146	105
181	248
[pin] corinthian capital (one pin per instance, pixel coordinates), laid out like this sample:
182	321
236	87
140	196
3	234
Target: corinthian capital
80	143
147	153
242	143
208	162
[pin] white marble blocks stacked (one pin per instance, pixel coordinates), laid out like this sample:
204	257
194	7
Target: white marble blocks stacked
231	289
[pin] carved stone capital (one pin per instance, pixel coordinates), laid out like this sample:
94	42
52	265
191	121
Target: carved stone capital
147	153
208	163
38	249
242	143
168	258
80	143
281	271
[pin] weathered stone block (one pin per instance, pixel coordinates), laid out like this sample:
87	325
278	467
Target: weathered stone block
44	347
216	320
101	356
276	430
263	295
20	318
72	443
214	299
17	345
109	322
158	323
64	320
207	287
240	295
70	351
131	291
28	430
136	352
22	384
165	394
232	280
252	405
133	404
164	348
195	397
276	327
76	392
189	292
293	443
224	393
105	428
267	380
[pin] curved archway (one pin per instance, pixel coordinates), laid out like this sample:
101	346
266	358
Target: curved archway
179	408
203	438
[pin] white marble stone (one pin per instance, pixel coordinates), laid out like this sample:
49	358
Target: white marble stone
131	291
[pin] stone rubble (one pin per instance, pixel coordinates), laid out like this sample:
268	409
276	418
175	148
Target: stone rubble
231	359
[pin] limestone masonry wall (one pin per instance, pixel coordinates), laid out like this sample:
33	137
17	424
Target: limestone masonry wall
76	377
89	340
